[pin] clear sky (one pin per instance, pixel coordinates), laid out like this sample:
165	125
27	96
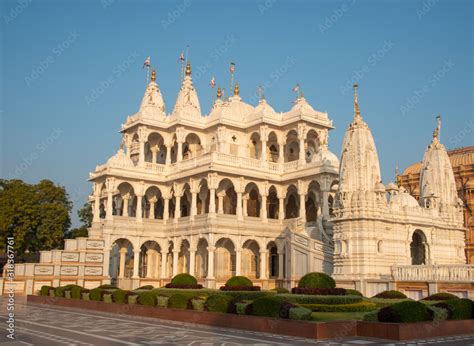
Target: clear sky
71	71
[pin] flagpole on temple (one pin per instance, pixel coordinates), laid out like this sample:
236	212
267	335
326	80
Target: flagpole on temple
232	71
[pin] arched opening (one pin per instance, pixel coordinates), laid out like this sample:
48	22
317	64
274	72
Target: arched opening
273	147
153	203
292	146
273	261
125	203
273	204
255	146
250	259
135	149
253	200
418	248
202	202
313	204
192	146
227	198
201	258
185	201
291	203
183	257
169	260
150	260
155	150
312	145
174	150
224	261
121	259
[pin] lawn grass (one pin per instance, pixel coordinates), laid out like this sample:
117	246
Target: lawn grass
337	316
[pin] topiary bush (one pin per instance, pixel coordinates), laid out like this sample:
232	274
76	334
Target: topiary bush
350	291
108	287
280	290
461	308
120	296
356	307
184	280
391	295
441	296
44	291
241	308
132	297
147	298
241	281
96	294
146	287
316	280
178	301
438	314
404	312
267	306
218	303
313	299
300	313
76	292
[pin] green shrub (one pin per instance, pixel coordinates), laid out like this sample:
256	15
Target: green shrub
120	296
438	314
355	307
241	308
300	313
352	292
189	293
44	291
239	281
178	301
146	287
184	279
107	298
76	292
316	280
198	304
382	303
461	308
267	306
441	296
96	294
218	303
249	295
108	287
162	301
280	290
371	316
404	312
391	295
314	299
147	298
59	291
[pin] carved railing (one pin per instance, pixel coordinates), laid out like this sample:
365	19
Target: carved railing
437	272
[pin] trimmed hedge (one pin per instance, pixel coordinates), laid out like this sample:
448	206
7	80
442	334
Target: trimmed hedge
300	313
462	309
247	295
280	290
371	316
107	297
184	279
382	303
391	295
267	306
76	292
189	293
313	299
44	291
242	308
147	298
132	297
438	314
316	280
178	301
96	294
162	301
355	307
404	312
197	303
441	296
108	287
320	291
120	296
240	281
219	303
352	292
146	287
60	291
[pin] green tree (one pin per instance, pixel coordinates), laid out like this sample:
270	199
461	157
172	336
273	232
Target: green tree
85	216
37	216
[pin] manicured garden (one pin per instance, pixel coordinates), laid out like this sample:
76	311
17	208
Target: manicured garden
316	298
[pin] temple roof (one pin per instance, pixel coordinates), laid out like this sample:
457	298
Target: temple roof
458	157
187	101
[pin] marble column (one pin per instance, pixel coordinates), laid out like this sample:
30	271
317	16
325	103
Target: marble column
136	263
238	209
123	254
179	156
96	217
281	208
166	209
303	207
177	207
151	214
175	262
125	200
163	265
263	265
281	152
210	263
193	204
281	274
139	215
192	261
168	154
212	201
264	151
220	196
109	213
325	203
263	209
238	262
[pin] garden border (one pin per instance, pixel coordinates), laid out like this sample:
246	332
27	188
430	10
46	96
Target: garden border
312	330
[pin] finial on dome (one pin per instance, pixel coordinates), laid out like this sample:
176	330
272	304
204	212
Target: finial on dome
236	89
188	68
153	75
356	100
438	128
219	92
435	134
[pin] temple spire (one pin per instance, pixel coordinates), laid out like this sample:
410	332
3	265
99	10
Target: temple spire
188	68
236	89
356	101
153	75
438	125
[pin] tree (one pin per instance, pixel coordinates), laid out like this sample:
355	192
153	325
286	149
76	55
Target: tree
85	216
37	216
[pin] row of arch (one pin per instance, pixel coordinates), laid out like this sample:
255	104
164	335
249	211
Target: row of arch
220	261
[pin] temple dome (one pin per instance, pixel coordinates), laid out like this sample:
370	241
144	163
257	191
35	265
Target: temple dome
120	159
404	199
152	102
264	109
187	102
326	156
302	106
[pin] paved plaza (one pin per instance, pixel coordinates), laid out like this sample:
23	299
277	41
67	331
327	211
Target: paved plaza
51	325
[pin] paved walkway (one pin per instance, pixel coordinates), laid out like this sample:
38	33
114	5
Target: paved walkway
51	325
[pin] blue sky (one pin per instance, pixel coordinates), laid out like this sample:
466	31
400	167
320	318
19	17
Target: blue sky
71	71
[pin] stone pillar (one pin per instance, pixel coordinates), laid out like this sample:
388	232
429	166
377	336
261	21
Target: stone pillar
281	206
302	206
175	262
212	201
301	157
154	152
96	217
238	209
123	254
164	256
106	269
244	202
150	257
220	196
166	209
281	264
109	212
264	150
168	154
141	152
192	261
179	155
210	263
193	204
136	262
152	201
177	207
263	209
238	261
326	204
125	200
139	215
281	152
263	265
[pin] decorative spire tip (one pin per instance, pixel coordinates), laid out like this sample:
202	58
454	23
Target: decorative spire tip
188	68
236	89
